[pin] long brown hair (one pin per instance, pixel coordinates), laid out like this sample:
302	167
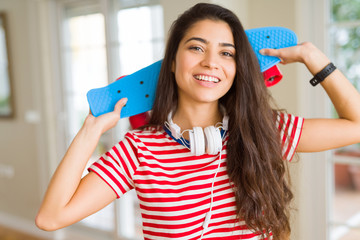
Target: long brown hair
254	160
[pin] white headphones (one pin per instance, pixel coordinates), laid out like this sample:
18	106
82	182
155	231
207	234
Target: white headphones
209	140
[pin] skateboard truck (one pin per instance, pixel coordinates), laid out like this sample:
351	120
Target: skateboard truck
272	76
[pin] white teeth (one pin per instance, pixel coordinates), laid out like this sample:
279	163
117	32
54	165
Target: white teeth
207	78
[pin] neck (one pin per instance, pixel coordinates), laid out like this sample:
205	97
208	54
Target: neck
199	115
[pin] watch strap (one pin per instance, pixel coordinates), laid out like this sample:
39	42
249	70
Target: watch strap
320	76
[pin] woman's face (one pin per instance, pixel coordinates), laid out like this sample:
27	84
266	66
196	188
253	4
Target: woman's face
205	65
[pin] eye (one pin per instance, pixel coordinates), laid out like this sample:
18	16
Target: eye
196	48
227	54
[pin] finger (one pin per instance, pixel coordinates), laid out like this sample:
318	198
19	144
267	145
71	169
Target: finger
272	52
120	104
269	52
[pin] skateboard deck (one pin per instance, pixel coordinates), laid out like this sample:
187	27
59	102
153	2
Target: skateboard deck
140	87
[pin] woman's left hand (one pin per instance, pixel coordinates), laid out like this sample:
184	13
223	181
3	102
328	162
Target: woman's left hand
324	134
306	53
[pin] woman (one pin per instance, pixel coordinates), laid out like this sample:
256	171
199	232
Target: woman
240	191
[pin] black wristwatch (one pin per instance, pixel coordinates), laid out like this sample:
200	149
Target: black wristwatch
320	76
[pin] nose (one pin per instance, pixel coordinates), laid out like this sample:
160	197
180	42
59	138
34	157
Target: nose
210	60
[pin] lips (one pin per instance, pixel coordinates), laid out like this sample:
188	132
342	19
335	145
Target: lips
207	78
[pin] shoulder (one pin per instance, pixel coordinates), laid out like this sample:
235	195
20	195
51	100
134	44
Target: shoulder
286	120
290	128
149	132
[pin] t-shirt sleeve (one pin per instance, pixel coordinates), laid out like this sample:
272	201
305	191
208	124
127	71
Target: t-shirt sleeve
117	166
290	128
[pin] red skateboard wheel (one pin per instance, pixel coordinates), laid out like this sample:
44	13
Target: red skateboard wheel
272	76
139	120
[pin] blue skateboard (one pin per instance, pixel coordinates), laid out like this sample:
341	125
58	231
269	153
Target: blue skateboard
140	87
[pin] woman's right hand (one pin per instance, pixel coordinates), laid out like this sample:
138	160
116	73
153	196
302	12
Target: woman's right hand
108	120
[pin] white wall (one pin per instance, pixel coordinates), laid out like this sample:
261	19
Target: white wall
314	181
19	146
23	142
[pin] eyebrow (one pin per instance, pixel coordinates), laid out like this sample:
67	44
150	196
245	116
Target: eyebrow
223	44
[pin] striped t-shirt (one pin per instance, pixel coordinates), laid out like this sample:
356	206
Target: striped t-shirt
174	186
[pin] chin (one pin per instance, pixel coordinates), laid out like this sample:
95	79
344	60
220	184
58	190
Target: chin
208	100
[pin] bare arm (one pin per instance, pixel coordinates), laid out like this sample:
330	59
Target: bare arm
69	198
324	134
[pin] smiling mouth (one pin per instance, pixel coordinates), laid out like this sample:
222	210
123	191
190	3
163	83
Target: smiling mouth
206	78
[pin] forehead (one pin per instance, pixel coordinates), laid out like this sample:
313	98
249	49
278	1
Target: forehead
211	30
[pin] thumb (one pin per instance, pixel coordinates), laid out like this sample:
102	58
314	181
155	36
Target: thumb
119	105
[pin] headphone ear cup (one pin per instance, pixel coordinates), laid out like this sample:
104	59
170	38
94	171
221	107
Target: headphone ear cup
213	140
192	142
209	139
175	130
218	140
197	141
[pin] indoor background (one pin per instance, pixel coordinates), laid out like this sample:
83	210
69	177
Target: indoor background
53	51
